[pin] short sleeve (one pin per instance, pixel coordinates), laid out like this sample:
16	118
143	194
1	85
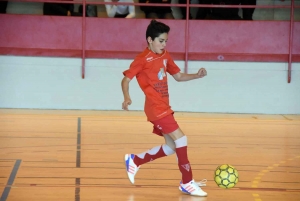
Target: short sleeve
172	68
135	67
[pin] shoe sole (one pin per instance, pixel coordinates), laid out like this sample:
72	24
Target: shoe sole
191	194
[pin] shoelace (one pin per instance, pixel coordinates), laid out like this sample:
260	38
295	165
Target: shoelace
202	182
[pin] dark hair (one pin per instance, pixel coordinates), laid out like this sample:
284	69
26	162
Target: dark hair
156	28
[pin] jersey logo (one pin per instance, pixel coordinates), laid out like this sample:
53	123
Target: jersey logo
161	74
149	58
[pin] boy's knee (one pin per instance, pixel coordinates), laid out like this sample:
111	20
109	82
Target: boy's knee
168	149
181	142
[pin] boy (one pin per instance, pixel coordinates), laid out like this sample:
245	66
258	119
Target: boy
150	68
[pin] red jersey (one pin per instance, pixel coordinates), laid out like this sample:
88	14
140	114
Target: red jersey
151	70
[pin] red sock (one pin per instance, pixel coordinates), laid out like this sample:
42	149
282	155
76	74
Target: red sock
184	164
152	154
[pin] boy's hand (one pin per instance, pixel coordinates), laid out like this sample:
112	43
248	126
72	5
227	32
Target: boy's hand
202	72
125	104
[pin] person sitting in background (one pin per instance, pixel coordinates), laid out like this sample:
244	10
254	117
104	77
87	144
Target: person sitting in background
225	13
183	9
248	12
90	10
120	11
3	6
59	9
154	12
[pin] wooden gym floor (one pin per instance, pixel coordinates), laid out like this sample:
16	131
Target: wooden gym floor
78	155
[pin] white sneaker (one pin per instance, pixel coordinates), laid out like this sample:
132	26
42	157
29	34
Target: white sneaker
192	188
131	167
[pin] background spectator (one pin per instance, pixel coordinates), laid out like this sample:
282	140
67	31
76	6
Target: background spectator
248	12
90	11
183	9
60	9
154	12
225	13
120	11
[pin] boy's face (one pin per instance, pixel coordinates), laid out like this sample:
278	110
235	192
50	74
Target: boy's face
159	43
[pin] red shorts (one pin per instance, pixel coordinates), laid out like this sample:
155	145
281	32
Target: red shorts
165	125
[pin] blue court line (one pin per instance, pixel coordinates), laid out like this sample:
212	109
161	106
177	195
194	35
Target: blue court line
10	180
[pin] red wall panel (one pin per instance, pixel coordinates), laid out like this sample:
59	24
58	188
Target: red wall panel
261	37
32	35
29	31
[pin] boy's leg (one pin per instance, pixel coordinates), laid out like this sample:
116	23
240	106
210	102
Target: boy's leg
180	141
161	126
155	152
164	125
187	185
133	162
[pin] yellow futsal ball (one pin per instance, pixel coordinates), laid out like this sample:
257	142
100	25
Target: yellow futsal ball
226	176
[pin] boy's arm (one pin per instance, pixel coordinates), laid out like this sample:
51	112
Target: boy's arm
125	89
180	77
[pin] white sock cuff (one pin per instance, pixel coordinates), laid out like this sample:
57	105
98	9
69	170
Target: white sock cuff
181	142
168	151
